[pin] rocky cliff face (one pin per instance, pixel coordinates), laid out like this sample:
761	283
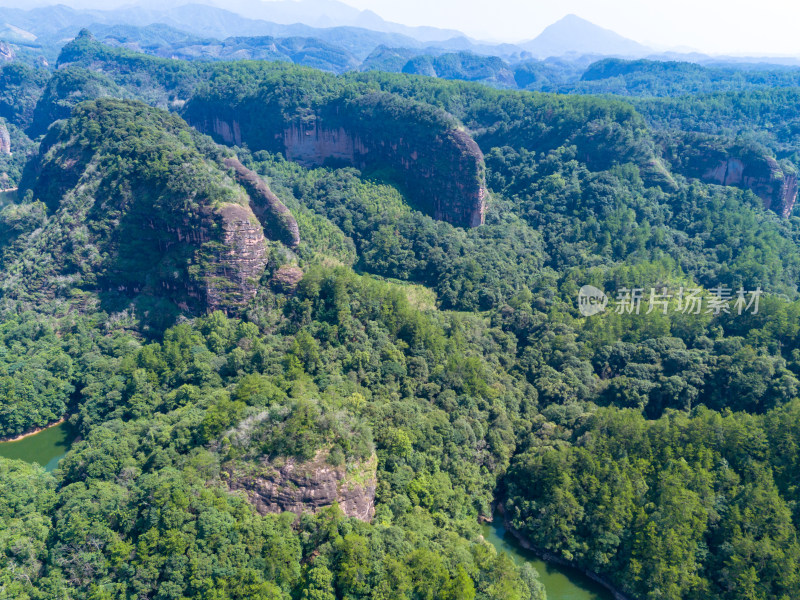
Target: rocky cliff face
277	221
287	277
312	144
764	177
7	53
438	165
788	195
716	160
449	167
300	487
463	197
5	139
234	267
185	231
229	132
241	261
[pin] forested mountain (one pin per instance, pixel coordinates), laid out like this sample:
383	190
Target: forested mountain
312	328
570	56
50	27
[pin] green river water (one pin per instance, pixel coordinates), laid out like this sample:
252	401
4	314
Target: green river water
561	583
46	447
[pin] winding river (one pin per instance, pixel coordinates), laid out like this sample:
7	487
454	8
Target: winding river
561	583
46	447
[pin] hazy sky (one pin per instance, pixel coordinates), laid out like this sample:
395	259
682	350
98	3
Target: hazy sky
717	26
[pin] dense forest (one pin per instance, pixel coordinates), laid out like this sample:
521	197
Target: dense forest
439	371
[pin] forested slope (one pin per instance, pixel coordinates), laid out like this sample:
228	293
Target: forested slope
432	368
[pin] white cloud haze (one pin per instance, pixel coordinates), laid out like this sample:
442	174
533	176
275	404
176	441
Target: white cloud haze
766	27
729	26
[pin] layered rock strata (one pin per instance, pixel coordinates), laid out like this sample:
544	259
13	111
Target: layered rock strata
300	487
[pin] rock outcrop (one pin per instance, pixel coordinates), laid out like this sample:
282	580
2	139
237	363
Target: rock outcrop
241	262
277	220
287	277
747	166
437	164
5	139
7	53
230	132
300	487
185	232
446	173
311	144
764	177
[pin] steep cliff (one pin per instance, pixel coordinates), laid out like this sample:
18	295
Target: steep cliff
277	221
308	486
7	53
241	259
748	166
15	150
137	208
421	148
5	139
443	177
760	174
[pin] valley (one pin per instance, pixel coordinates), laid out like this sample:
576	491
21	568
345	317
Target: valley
306	326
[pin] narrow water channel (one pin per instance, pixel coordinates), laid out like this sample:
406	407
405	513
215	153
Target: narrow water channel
561	583
45	448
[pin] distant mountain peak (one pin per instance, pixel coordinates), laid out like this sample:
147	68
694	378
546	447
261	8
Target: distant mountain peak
575	35
573	18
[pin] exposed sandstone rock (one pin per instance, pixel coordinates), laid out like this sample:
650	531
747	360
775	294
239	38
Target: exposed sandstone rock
438	165
788	195
230	132
204	250
763	176
463	197
301	487
277	220
7	53
720	161
450	164
5	139
287	277
312	145
241	263
236	263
